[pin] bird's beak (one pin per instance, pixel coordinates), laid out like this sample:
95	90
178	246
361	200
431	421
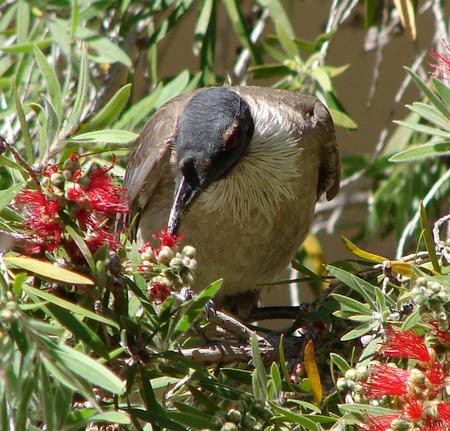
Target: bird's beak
184	196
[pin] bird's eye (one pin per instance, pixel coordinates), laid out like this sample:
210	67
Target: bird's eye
232	138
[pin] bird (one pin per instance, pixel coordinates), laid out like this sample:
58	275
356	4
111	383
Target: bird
238	170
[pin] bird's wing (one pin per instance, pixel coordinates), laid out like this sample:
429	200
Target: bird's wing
314	115
150	157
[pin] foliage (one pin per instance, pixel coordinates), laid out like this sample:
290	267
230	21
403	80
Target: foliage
95	330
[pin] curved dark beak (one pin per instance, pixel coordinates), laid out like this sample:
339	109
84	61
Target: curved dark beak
184	196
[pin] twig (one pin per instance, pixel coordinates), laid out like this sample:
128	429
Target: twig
244	56
409	229
442	246
230	324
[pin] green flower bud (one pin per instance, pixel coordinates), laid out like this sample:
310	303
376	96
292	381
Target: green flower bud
416	377
57	179
341	384
350	374
176	263
234	416
401	425
361	373
249	421
189	251
164	255
229	426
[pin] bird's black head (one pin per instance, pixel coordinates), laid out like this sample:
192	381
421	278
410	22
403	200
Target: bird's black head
214	130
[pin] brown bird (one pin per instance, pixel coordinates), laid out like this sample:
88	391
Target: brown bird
238	171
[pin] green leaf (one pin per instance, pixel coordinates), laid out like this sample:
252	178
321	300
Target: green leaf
342	119
89	369
276	378
322	77
243	377
436	148
364	288
443	90
22	21
428	238
116	417
54	89
373	12
7	195
81	244
107	51
350	304
48	270
283	26
366	408
198	304
106	136
434	99
260	370
431	114
26	47
191	416
424	129
74	308
269	71
237	20
303	420
359	331
23	123
81	95
110	111
339	361
173	88
78	329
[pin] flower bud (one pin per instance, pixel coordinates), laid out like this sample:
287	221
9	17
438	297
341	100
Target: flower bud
401	425
189	251
341	384
57	179
234	416
361	373
350	374
165	255
176	263
249	421
416	377
229	426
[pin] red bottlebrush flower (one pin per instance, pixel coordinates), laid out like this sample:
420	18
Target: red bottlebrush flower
436	376
405	344
100	194
386	380
444	413
442	334
442	62
166	239
413	408
378	423
42	217
159	292
103	195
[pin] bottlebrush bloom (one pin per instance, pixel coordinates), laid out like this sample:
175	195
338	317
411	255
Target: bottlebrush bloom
166	239
159	292
99	194
378	423
405	344
442	62
42	218
386	380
